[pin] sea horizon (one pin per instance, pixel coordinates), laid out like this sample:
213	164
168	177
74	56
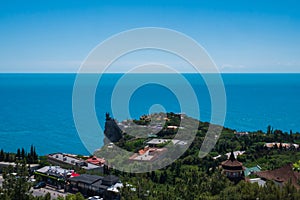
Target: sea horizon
37	107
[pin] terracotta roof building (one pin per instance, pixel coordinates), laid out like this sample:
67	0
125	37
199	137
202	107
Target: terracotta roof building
233	169
96	161
71	161
281	175
148	154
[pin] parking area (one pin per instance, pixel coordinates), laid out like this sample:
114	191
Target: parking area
54	193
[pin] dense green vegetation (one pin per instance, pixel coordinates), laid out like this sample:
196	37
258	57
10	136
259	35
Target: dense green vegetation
199	185
16	185
190	177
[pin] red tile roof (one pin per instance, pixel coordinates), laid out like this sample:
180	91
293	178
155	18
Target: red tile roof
96	161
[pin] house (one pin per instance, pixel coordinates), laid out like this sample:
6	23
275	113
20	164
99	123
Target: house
54	176
71	161
6	164
252	170
281	175
235	153
91	185
233	169
172	127
259	181
96	161
283	145
179	142
156	142
148	154
239	134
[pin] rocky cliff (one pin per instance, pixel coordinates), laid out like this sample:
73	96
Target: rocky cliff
112	131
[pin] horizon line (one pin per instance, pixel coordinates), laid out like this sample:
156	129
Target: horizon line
64	72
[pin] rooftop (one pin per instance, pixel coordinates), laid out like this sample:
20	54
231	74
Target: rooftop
259	181
55	171
65	158
86	178
97	181
250	170
235	153
281	175
148	154
158	141
232	162
96	161
14	164
285	145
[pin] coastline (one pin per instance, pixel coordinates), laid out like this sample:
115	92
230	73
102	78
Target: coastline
38	108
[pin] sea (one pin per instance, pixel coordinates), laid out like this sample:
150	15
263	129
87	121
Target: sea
36	109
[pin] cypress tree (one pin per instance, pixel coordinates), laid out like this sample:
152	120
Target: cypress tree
23	154
1	155
18	154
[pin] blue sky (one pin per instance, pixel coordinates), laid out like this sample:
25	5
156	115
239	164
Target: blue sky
240	36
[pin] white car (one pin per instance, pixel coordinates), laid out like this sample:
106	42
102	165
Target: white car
95	198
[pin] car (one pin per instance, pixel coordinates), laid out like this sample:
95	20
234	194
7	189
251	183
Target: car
31	180
41	184
95	198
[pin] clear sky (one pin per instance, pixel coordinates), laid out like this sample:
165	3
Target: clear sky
240	36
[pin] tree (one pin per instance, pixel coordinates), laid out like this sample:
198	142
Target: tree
296	166
79	196
15	185
269	130
22	153
18	155
6	157
1	155
32	155
35	156
47	196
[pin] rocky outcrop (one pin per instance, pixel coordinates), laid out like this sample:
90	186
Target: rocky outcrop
112	131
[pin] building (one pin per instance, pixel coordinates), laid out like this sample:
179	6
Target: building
239	134
93	185
283	145
179	142
235	153
96	161
157	142
71	161
148	154
252	170
259	181
281	175
233	169
54	176
6	164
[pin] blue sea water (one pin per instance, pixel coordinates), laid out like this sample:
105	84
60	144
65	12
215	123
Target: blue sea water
37	108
